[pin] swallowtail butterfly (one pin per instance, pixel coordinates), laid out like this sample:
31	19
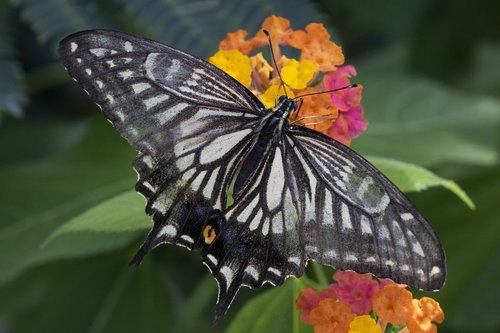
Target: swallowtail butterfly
298	194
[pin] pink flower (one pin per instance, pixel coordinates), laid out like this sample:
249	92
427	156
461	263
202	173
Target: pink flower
348	126
356	290
346	98
384	282
350	122
309	299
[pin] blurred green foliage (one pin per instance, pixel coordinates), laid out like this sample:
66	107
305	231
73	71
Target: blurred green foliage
69	222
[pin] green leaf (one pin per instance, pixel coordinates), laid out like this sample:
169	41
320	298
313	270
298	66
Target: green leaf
272	311
484	77
372	18
52	19
54	175
410	178
101	294
471	240
122	213
198	305
423	122
52	137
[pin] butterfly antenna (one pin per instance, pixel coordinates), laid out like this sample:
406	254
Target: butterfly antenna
274	60
299	98
327	91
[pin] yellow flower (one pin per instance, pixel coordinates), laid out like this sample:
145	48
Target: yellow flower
297	74
270	96
234	63
364	324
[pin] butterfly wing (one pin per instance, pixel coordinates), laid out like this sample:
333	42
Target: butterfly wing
190	122
314	198
362	221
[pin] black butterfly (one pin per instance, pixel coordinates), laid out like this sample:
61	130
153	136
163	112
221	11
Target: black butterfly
298	194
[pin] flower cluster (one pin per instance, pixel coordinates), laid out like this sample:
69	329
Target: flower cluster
358	303
337	114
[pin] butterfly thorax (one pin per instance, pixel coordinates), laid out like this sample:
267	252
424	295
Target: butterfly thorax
284	107
272	125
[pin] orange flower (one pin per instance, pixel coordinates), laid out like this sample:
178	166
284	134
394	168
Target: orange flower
236	41
316	45
331	316
393	304
426	312
279	30
317	110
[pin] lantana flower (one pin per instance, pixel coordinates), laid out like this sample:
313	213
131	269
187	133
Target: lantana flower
234	63
309	299
331	316
320	68
393	304
369	304
350	122
364	324
427	313
356	290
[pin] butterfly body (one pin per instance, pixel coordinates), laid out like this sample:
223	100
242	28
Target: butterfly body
268	134
298	194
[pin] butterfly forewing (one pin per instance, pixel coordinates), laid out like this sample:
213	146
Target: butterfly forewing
298	195
190	123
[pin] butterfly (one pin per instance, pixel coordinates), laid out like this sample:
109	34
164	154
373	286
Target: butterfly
298	195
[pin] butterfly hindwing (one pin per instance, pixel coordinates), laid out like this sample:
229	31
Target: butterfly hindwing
261	239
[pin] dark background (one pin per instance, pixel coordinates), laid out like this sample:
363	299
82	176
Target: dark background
432	85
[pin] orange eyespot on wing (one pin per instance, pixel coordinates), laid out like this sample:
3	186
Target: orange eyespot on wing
209	234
